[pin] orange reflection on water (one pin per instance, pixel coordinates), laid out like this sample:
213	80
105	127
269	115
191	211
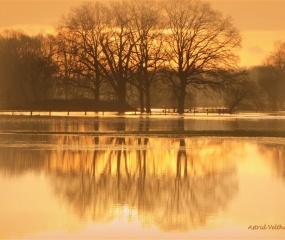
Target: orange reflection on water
175	187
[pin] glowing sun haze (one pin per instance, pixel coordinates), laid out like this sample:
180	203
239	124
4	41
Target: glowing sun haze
261	22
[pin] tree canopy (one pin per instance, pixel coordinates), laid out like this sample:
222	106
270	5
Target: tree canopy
123	44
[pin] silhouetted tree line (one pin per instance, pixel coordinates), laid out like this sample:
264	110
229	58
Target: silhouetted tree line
27	68
143	53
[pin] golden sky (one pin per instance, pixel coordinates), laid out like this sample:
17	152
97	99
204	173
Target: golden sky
261	22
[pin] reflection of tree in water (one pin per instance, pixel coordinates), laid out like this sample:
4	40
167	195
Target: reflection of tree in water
275	155
174	183
175	188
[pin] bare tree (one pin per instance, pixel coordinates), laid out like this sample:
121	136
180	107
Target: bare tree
274	83
242	91
65	60
117	48
147	34
201	46
277	57
79	41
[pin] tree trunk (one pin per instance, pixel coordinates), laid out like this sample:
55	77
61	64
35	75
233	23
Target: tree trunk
122	98
181	102
97	81
181	97
97	90
141	96
147	99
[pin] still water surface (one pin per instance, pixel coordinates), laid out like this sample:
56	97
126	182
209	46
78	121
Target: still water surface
61	179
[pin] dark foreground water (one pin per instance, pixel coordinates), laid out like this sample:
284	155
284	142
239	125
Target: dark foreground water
142	178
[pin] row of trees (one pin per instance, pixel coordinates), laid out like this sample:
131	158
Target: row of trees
27	68
129	45
135	52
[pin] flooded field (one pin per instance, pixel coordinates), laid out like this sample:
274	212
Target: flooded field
151	177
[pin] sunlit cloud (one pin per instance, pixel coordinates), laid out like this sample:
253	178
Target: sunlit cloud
30	29
257	45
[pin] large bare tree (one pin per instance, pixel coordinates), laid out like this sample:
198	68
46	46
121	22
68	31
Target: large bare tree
201	46
117	48
79	42
147	34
